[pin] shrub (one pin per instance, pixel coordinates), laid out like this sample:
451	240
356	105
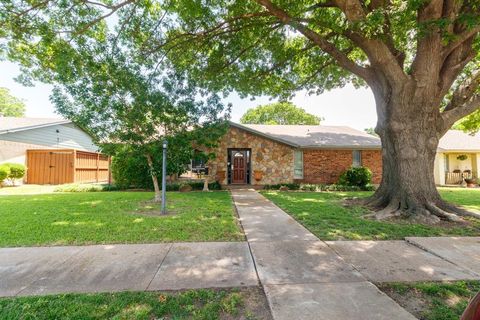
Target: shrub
356	177
290	186
130	170
75	187
3	172
321	187
196	185
15	171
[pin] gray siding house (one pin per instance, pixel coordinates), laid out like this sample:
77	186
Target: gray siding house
17	135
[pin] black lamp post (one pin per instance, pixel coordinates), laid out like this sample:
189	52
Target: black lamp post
164	177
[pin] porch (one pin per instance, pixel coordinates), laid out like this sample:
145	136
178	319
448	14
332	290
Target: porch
457	176
452	168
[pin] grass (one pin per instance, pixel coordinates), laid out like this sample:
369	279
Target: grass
193	304
323	214
433	300
115	217
26	189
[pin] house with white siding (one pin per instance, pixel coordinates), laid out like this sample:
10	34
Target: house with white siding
458	158
19	136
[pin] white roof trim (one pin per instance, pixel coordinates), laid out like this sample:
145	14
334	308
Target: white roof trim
35	126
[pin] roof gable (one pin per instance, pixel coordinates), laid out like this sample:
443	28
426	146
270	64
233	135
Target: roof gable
457	140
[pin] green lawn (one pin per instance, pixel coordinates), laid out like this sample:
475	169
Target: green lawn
323	214
115	217
193	304
433	300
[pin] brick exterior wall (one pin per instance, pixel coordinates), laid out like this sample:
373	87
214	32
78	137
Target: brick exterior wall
275	160
372	159
326	166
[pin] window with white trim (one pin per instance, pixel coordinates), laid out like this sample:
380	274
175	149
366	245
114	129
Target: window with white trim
357	158
298	164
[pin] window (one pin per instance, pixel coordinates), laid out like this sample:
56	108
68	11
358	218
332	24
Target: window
298	164
357	158
447	163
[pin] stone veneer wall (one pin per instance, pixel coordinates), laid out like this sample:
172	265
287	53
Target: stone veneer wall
274	159
326	166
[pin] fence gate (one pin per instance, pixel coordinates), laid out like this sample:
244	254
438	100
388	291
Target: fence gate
50	166
66	166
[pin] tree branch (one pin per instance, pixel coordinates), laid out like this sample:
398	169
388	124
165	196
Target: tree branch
454	64
464	92
460	39
452	116
426	66
114	9
316	38
382	55
38	5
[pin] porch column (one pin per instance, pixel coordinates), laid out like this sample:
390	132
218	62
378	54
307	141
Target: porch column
477	169
439	169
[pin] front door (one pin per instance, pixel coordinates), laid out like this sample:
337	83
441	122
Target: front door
239	170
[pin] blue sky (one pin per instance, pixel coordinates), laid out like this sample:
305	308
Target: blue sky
346	106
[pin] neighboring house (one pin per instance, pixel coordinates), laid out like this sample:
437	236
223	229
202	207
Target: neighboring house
458	157
274	154
54	150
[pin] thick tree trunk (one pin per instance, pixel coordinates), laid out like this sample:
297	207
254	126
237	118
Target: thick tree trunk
408	126
156	188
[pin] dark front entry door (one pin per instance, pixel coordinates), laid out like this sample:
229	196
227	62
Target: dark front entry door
239	171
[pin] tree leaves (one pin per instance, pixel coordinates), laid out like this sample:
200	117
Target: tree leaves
284	113
10	106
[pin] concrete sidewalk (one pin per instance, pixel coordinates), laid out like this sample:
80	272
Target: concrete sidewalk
138	267
305	278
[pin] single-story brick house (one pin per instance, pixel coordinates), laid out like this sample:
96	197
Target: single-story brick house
273	154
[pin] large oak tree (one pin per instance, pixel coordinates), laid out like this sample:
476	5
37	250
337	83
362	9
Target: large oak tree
419	57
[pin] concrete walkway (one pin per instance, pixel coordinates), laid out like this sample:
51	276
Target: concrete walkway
103	268
305	278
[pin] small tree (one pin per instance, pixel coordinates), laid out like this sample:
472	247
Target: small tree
123	103
279	113
10	106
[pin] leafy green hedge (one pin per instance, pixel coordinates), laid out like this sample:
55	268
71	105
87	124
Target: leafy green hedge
13	172
3	172
319	187
195	185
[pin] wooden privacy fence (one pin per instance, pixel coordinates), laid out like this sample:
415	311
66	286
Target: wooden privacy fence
66	166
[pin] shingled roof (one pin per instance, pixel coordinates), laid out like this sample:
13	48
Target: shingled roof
13	124
457	140
305	136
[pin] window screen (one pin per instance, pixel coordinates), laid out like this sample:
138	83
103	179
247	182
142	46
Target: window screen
298	164
357	158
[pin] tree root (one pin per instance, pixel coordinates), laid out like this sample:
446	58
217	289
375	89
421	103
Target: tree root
442	214
429	213
460	211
